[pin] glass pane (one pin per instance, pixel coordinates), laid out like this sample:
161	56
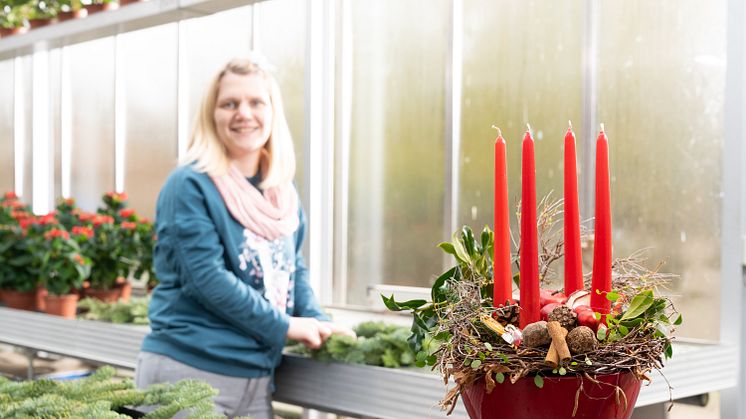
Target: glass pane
397	141
55	123
7	158
209	43
666	146
532	74
149	64
281	37
92	101
26	84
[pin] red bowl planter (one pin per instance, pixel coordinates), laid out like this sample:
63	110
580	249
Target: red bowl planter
556	400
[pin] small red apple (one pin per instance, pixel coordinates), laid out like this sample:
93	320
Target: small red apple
586	317
549	296
544	313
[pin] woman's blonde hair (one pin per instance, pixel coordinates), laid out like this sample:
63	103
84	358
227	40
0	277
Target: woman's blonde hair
209	154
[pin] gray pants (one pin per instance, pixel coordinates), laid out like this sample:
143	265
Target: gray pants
237	396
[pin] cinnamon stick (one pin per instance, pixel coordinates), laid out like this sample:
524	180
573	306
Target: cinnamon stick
558	350
552	358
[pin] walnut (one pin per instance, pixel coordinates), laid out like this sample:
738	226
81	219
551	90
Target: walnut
536	334
581	340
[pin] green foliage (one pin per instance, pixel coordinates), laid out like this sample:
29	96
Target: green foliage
645	312
67	246
38	249
62	268
473	258
16	269
42	9
377	344
99	395
133	312
17	246
12	14
116	239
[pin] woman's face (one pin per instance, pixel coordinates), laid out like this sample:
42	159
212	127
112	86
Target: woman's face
243	115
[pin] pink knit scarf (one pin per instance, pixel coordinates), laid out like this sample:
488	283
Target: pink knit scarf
271	215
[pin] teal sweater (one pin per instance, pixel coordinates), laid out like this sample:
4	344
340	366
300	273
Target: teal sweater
212	308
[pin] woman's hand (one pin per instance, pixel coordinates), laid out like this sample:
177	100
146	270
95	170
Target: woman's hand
338	329
308	331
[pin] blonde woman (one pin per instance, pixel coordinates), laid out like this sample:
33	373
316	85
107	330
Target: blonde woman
233	284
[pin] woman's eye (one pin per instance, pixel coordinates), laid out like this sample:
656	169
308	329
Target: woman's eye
229	105
255	103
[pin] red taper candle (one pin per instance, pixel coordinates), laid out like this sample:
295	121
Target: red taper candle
573	257
601	280
529	255
501	270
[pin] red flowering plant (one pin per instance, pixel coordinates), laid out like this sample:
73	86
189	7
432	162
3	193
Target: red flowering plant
19	239
143	242
116	239
101	241
68	213
138	233
62	267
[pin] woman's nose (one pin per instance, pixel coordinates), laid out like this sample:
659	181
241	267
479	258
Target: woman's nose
244	110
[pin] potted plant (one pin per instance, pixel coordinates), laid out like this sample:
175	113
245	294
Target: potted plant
70	9
139	240
41	12
112	242
62	269
12	21
95	6
18	276
540	371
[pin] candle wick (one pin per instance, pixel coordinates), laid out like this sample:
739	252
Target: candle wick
499	132
529	127
569	124
602	127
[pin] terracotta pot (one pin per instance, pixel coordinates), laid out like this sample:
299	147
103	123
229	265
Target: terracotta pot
5	32
73	14
39	295
555	400
62	305
110	295
25	300
125	289
38	23
126	2
100	7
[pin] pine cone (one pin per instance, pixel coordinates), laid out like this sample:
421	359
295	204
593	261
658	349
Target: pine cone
507	315
564	315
